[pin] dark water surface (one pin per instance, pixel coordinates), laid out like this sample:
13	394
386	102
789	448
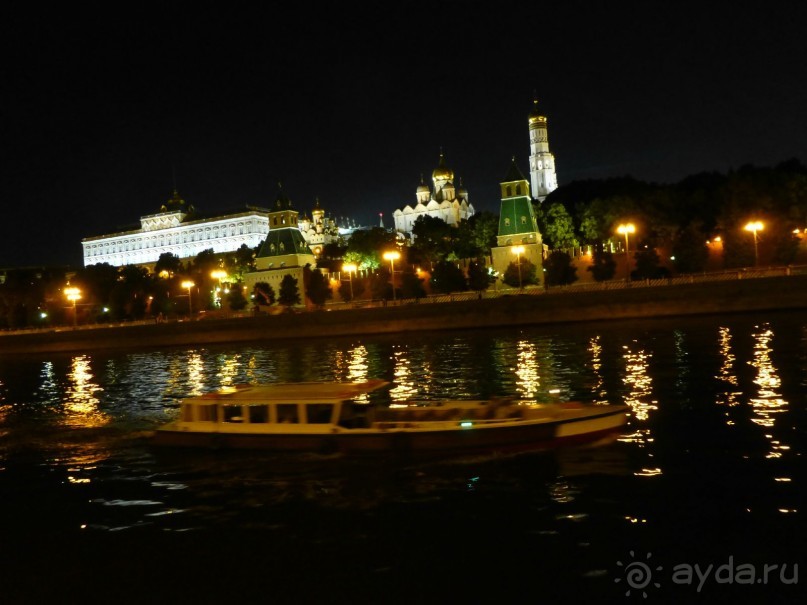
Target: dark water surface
708	472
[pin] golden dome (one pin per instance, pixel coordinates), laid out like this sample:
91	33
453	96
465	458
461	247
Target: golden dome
442	171
536	116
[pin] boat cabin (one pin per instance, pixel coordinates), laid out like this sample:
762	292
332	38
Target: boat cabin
302	403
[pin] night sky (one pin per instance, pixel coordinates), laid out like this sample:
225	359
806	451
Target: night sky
106	110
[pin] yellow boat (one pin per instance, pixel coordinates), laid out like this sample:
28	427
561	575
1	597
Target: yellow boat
325	417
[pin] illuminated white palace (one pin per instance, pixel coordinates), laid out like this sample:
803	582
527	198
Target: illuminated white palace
444	202
179	230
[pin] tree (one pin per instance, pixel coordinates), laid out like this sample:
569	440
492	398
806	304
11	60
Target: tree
380	286
528	273
168	263
289	292
690	250
557	227
434	239
448	277
603	265
560	271
365	247
263	294
318	289
240	261
647	264
479	278
411	285
235	298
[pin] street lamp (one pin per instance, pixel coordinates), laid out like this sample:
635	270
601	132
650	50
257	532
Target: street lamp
625	229
189	284
392	257
73	294
518	251
350	268
219	275
753	227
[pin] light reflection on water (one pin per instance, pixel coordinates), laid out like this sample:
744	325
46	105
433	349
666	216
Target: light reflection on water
768	402
73	429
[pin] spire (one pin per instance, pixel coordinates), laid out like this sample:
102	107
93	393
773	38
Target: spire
513	173
282	202
381	219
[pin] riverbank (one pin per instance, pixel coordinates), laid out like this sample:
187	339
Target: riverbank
558	306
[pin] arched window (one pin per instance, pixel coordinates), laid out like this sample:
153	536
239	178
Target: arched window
508	191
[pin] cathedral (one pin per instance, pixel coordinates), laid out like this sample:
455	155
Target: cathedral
443	201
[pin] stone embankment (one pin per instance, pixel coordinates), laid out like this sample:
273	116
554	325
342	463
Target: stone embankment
745	295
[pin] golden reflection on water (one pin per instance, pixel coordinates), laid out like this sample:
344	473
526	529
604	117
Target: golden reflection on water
406	387
80	402
527	370
353	365
228	369
4	408
726	373
638	379
768	402
598	389
196	373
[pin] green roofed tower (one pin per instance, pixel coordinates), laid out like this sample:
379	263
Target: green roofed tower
285	242
284	251
517	224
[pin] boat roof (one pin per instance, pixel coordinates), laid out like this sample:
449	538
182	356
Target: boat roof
293	391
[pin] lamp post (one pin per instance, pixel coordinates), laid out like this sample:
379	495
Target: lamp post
753	227
350	268
518	251
220	275
73	294
189	284
625	229
392	257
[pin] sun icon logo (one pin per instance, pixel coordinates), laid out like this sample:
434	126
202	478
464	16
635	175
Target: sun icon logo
638	575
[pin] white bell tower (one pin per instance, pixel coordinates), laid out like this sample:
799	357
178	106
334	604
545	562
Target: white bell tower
543	179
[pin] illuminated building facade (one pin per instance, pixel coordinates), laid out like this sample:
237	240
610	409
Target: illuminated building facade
319	230
542	162
180	230
177	229
444	201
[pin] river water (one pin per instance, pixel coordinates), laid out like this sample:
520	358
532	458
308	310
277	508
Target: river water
703	490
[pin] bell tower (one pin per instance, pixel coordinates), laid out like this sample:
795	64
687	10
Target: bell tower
542	163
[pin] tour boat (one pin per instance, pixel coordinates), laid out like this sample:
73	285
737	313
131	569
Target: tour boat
336	417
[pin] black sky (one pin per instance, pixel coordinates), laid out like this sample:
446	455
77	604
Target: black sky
105	109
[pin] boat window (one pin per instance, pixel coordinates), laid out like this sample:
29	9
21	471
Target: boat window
208	413
187	412
258	414
287	413
232	413
319	413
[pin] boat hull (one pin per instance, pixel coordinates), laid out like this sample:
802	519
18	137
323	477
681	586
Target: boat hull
600	423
